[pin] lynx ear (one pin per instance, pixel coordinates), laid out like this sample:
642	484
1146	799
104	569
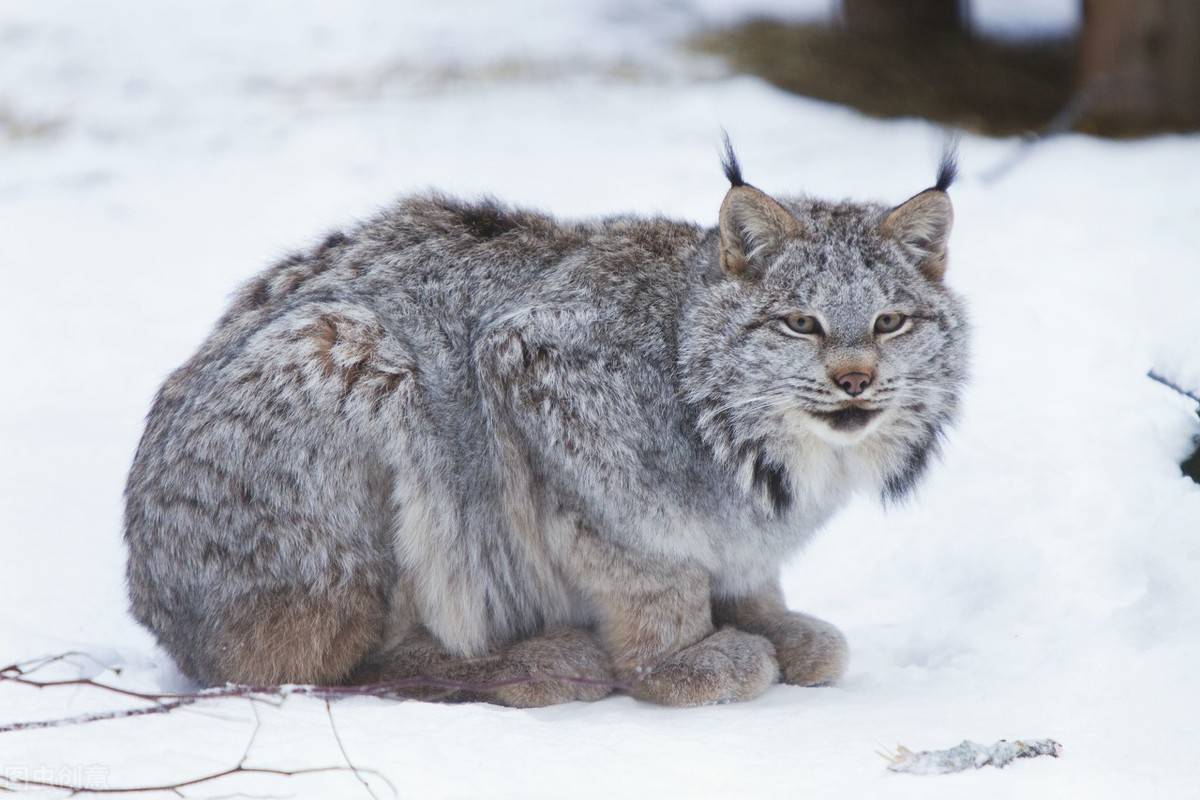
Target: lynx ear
753	227
922	226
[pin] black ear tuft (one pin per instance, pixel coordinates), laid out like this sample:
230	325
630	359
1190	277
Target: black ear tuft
948	168
729	162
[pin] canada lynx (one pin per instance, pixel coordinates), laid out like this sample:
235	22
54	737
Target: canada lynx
470	442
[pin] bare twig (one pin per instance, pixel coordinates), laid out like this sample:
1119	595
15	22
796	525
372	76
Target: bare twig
1076	107
24	674
34	664
346	756
253	736
20	672
174	788
1154	376
166	702
95	716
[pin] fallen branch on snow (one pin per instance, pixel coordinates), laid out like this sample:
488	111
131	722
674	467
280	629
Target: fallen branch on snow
16	782
22	673
177	787
1154	376
968	754
165	702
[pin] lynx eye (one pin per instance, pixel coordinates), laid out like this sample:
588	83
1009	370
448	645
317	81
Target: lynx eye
889	323
803	324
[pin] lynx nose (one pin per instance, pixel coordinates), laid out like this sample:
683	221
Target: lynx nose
853	383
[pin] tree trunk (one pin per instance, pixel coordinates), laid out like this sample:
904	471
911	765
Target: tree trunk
1139	63
906	18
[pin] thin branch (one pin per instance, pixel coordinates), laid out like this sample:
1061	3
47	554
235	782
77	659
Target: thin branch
253	736
166	702
96	716
22	679
13	783
337	737
34	664
1076	107
241	769
1154	376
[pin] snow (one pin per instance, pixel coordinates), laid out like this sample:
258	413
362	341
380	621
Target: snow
1024	17
1041	584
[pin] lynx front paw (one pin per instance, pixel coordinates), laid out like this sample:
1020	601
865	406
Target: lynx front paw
811	652
728	665
560	666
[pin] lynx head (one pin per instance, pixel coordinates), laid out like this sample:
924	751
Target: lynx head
825	325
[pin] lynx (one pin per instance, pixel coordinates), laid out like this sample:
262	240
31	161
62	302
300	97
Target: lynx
473	443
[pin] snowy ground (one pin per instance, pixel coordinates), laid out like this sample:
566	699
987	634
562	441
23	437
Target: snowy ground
1044	583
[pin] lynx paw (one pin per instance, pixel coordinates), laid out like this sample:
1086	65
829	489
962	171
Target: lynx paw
564	652
728	665
811	652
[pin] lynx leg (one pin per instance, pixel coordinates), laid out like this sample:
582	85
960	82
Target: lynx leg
567	652
656	623
726	666
530	673
811	652
295	637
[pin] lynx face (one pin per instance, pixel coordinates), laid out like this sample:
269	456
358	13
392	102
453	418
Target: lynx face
857	334
831	321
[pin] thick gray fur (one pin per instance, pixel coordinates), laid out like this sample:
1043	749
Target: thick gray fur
463	439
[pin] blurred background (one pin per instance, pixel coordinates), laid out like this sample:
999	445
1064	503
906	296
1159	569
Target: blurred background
1107	67
1111	67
